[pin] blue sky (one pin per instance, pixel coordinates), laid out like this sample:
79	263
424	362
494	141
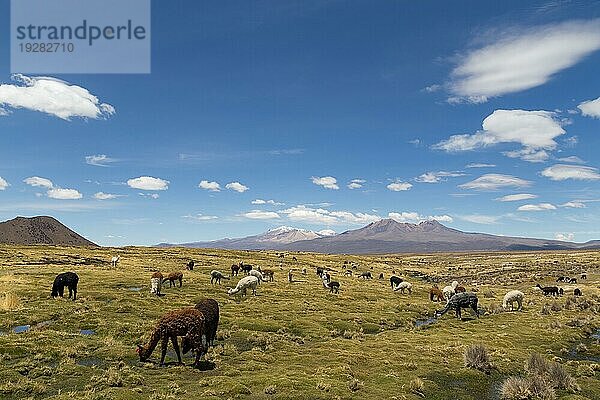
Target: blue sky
434	109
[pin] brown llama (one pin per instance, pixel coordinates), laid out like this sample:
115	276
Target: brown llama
210	309
268	274
173	277
435	294
235	269
460	289
186	322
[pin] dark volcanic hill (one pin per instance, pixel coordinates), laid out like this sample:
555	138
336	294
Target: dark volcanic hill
390	236
39	230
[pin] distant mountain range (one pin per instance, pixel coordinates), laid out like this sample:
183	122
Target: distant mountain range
39	230
387	236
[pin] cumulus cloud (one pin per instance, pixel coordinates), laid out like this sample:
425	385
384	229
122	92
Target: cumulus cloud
321	216
39	182
105	196
200	217
517	197
99	160
481	219
271	202
3	184
356	183
590	108
64	194
521	59
148	183
537	207
565	237
238	187
495	182
399	186
414	217
573	204
561	172
479	165
258	214
327	232
435	177
53	96
211	186
534	130
328	182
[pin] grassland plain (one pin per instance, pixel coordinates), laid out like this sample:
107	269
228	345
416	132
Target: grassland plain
293	340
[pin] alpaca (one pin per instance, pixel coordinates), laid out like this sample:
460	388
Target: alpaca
583	276
562	279
173	277
187	322
548	290
459	301
511	297
257	274
246	268
573	280
395	281
366	275
216	276
333	286
404	286
577	292
561	291
235	269
381	276
156	283
320	271
303	271
268	273
449	291
327	277
435	294
115	260
290	276
244	283
210	309
190	265
69	279
295	259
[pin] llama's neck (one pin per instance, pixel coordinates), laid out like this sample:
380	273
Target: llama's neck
147	350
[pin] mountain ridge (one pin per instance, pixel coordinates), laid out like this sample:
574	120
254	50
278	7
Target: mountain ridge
40	230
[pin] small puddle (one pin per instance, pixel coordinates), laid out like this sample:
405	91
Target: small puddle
87	332
134	289
425	322
591	340
21	328
89	362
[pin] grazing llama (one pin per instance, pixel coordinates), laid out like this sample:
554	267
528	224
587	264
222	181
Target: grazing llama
511	297
216	276
114	261
210	309
173	277
69	279
459	301
435	294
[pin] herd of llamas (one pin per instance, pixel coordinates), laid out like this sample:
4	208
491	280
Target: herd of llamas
197	326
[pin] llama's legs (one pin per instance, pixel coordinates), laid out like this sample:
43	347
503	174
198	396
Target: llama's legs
61	291
176	347
180	282
163	349
70	292
74	293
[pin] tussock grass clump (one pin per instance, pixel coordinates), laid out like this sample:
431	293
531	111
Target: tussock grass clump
477	357
10	302
355	385
516	388
270	390
417	386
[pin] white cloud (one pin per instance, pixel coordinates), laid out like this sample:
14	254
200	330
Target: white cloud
238	187
54	97
148	183
399	186
590	108
494	182
441	218
310	215
39	182
573	204
99	160
64	194
481	219
479	165
355	218
326	232
258	214
561	172
271	202
433	88
537	207
212	186
328	182
3	184
572	159
150	195
435	177
534	130
356	183
105	196
565	237
200	217
517	197
522	59
414	217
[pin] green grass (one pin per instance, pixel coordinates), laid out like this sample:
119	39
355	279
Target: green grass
292	341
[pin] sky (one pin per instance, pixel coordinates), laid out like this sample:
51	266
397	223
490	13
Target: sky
320	115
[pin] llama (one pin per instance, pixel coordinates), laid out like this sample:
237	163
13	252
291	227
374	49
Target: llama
216	276
290	276
303	271
327	277
69	279
395	281
235	269
435	294
269	274
257	274
562	279
548	290
381	276
404	286
187	322
333	286
114	261
583	276
460	289
244	283
577	292
459	301
174	277
246	268
511	297
156	283
210	310
366	275
190	265
573	280
449	291
320	271
561	291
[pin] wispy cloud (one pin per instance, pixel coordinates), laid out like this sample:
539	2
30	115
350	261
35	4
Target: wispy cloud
495	182
200	217
99	160
259	214
480	165
590	108
561	172
480	219
517	197
356	183
537	207
105	196
435	177
270	202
